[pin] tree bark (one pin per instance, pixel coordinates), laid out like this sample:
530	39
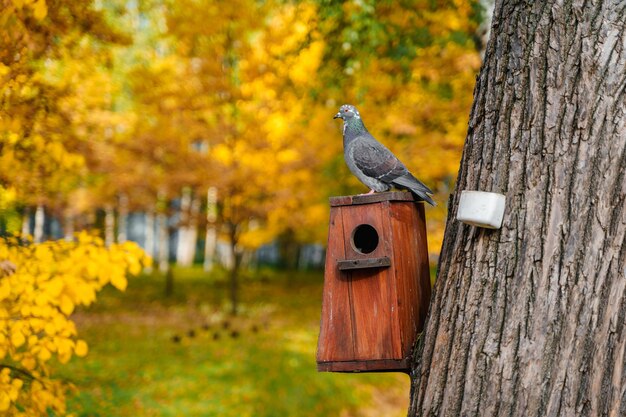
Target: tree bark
211	231
149	238
122	218
109	225
234	284
169	282
68	225
188	228
289	250
163	240
182	246
529	320
40	219
194	213
26	222
237	254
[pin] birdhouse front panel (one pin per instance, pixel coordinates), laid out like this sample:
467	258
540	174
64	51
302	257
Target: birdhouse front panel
372	288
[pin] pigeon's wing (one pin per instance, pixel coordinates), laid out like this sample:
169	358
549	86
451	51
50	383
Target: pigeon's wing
376	161
409	181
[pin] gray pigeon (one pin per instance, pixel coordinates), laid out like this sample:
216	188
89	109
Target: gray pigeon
372	163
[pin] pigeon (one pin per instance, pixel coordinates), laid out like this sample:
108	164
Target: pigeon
371	162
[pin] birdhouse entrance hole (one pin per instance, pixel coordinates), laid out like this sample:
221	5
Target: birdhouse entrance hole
365	239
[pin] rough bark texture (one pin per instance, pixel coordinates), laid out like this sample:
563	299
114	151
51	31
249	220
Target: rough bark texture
530	320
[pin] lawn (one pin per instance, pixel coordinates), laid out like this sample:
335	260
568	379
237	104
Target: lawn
184	356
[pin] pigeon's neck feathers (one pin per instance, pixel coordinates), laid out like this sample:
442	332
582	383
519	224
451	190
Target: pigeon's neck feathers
353	128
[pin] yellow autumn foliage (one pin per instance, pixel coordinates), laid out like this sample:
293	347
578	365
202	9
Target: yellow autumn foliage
40	287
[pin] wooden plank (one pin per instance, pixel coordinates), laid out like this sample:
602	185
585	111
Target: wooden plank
350	200
382	365
423	287
410	258
370	293
395	279
382	262
404	252
335	341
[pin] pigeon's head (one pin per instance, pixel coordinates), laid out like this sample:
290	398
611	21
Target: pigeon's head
347	112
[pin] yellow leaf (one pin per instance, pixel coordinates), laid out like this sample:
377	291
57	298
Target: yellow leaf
5	401
119	281
25	310
29	363
44	354
92	269
49	328
16	385
64	357
5	289
54	287
17	339
66	304
40	9
81	348
223	154
41	299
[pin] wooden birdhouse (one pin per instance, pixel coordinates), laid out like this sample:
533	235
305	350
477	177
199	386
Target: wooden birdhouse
376	283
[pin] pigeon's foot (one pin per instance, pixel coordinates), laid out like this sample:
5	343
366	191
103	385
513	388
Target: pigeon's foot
371	192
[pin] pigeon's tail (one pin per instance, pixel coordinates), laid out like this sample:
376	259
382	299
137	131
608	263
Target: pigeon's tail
416	187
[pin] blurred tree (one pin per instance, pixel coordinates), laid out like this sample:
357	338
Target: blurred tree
40	285
233	95
244	104
48	56
234	66
54	111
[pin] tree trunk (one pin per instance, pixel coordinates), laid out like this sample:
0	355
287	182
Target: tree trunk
26	222
163	237
122	219
68	225
210	246
529	320
169	282
40	219
149	238
234	269
289	250
211	232
234	284
192	236
183	228
188	228
109	225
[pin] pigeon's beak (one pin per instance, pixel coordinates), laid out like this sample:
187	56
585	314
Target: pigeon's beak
337	116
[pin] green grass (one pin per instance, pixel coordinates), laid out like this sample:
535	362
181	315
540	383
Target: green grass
143	360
